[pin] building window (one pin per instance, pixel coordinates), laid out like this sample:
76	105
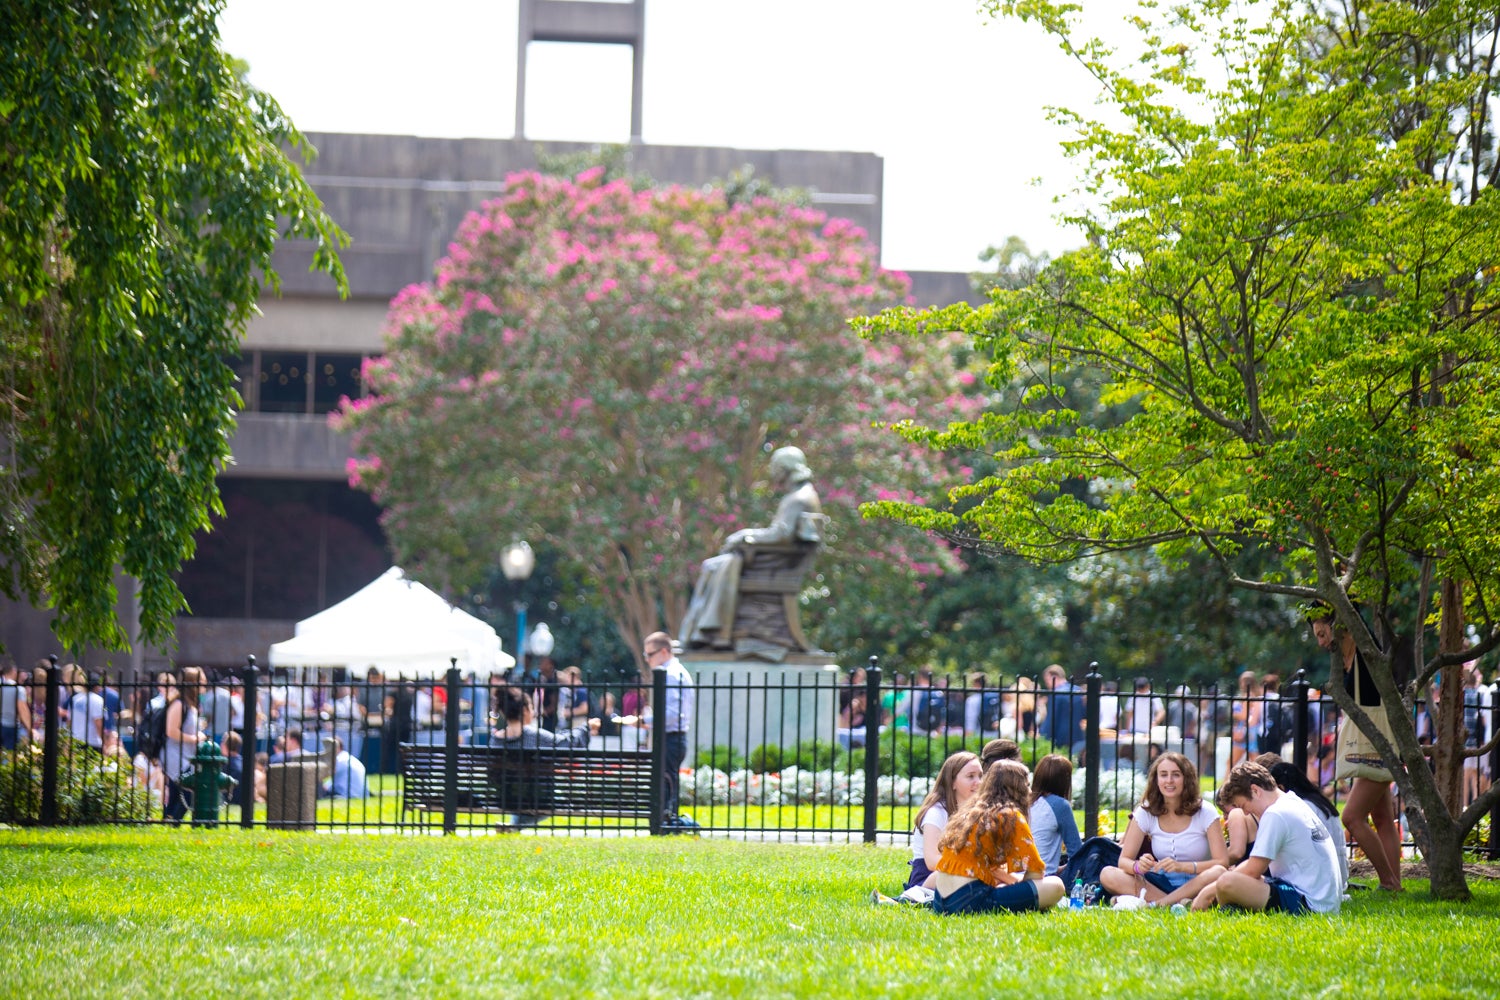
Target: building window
334	377
304	382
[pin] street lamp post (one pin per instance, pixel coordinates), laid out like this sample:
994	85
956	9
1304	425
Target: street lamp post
516	562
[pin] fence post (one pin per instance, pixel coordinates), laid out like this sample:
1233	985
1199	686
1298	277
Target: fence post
249	743
872	748
450	750
658	747
1494	776
1299	721
49	743
1093	686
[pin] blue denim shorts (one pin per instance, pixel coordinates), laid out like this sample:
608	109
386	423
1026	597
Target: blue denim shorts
1168	882
977	897
1285	897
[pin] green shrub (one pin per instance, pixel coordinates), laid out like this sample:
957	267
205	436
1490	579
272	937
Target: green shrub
766	758
89	788
909	755
723	758
1034	750
851	761
815	755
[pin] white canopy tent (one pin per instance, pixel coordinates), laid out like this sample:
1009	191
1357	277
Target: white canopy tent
398	626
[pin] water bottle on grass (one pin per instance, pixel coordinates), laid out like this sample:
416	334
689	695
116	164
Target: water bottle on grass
1075	898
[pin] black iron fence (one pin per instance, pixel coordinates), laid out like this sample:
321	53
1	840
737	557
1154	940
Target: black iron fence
772	752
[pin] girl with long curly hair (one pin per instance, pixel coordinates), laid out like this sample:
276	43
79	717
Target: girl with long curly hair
989	860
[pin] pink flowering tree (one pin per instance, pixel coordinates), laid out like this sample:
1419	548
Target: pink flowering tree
606	370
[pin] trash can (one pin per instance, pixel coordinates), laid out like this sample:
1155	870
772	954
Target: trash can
292	795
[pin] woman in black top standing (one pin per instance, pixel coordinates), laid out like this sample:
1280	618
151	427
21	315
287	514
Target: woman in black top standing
1369	811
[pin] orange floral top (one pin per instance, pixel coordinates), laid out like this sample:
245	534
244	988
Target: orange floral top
992	862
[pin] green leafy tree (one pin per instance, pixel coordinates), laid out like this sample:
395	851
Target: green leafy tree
144	186
605	369
1290	276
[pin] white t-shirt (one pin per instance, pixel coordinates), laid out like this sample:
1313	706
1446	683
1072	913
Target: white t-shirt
11	695
177	757
973	711
1296	842
1143	709
1190	844
1109	710
936	818
86	718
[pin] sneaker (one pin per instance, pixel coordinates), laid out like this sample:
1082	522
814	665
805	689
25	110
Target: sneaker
916	896
878	898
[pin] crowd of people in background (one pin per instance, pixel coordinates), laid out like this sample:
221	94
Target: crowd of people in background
1256	716
297	715
301	715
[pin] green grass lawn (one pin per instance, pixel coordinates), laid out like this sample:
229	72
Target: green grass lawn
153	912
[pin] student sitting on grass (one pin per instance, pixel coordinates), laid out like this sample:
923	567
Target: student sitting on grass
1001	749
956	783
1051	817
989	860
1185	852
954	788
1289	779
1293	866
1240	825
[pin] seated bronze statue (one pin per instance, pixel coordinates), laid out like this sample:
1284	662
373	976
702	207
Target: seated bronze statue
745	599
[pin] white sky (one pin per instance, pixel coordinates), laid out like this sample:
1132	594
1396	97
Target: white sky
955	106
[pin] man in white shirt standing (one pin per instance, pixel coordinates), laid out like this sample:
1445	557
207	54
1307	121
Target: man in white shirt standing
1293	866
1144	708
15	713
86	714
678	712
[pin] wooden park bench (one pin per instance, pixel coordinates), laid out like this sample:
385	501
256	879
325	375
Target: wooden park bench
541	783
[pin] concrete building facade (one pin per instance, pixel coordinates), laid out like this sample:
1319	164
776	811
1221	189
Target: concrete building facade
296	538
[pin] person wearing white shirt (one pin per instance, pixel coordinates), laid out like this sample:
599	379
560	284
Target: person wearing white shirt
15	713
1292	867
348	780
1144	708
86	715
679	717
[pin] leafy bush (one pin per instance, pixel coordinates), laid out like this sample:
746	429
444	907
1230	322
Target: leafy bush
766	757
723	758
90	788
815	755
850	761
1034	750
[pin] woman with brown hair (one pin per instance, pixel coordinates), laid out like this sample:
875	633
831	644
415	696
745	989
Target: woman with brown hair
989	861
1369	812
183	737
1052	822
956	783
1185	852
1246	710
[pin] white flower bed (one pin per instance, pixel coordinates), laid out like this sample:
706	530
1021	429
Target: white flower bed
1120	788
794	786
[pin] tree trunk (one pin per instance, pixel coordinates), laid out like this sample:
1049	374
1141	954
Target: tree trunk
1448	761
1445	863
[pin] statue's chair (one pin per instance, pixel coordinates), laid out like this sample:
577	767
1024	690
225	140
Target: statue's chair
767	609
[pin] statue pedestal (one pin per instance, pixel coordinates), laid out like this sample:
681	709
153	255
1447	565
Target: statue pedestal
745	703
